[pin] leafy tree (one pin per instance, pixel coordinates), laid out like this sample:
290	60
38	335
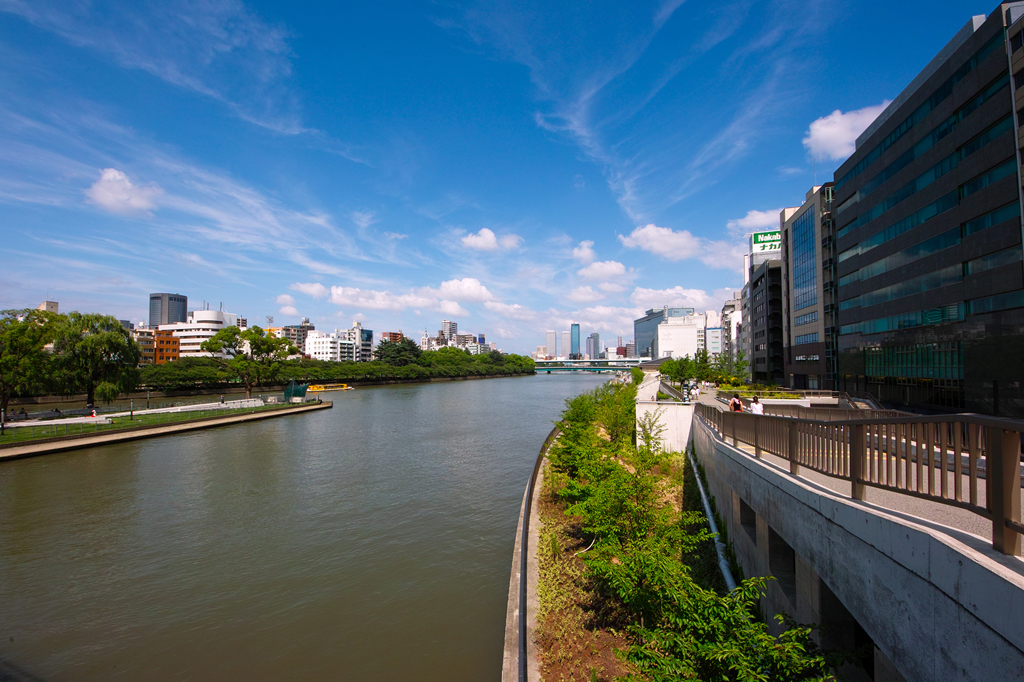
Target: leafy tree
397	353
739	366
252	356
94	354
638	375
186	373
23	360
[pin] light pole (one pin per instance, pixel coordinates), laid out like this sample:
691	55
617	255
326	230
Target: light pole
131	409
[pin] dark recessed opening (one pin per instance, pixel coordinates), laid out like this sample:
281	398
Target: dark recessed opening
748	521
782	563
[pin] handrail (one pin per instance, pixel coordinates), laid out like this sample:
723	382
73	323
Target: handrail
940	458
723	563
524	547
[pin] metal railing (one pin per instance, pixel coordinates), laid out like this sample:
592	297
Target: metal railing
937	458
829	414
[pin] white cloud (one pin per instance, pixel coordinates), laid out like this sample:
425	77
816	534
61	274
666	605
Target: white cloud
314	289
465	289
834	136
363	219
603	270
584	253
753	222
285	299
289	310
683	245
369	299
395	235
663	241
486	240
611	287
584	295
116	193
676	297
514	310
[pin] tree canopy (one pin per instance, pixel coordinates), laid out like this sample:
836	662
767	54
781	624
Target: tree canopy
23	359
252	356
95	355
397	353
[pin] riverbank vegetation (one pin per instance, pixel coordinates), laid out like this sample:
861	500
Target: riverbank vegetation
629	587
200	373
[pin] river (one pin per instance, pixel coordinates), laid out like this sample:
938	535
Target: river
372	541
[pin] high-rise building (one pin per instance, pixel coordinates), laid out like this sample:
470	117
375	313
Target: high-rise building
645	328
566	345
199	326
732	321
295	333
449	329
392	337
167	309
552	341
679	336
809	288
574	336
593	346
928	233
713	341
766	360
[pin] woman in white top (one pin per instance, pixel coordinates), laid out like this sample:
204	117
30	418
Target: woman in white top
756	407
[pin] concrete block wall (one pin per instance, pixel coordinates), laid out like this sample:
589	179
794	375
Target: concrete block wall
934	608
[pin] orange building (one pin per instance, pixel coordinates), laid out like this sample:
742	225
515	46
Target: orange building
393	337
166	347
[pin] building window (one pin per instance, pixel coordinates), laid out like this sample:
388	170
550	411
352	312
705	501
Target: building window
806	319
805	261
807	338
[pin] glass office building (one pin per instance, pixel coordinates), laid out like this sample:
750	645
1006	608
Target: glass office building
574	332
928	229
167	309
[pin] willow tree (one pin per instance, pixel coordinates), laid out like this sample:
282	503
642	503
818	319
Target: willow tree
249	355
95	355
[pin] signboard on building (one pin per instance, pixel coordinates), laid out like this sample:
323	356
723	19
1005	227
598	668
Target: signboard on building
763	242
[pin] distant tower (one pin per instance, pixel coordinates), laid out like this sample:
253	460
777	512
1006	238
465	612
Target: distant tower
552	343
167	309
574	336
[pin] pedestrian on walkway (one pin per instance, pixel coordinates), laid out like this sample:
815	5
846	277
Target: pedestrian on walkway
756	406
736	405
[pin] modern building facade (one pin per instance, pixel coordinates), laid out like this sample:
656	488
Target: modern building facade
766	360
645	329
678	336
166	347
200	326
449	329
732	321
593	350
144	339
566	345
167	309
809	291
552	343
928	229
574	341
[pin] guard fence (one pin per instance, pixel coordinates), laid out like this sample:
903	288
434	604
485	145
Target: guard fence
937	458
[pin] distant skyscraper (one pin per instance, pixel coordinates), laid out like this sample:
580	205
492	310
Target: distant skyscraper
566	345
167	309
574	335
449	329
594	346
552	348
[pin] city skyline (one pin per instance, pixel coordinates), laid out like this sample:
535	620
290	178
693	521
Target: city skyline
259	162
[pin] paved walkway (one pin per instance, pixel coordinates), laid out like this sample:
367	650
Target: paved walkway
966	526
120	436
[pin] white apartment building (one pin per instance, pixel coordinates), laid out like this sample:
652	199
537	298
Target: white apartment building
679	336
713	341
552	341
341	345
336	346
200	326
566	346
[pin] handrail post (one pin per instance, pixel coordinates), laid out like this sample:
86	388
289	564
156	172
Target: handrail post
858	457
1003	485
757	437
794	446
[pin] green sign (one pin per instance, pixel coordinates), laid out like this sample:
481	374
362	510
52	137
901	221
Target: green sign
767	237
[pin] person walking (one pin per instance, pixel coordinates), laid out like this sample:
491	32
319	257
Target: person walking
756	406
736	405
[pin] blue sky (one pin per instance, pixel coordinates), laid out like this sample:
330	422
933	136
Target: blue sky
510	166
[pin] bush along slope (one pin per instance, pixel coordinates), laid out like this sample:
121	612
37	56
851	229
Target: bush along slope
649	569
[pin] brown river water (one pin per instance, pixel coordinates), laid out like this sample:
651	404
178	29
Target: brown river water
372	541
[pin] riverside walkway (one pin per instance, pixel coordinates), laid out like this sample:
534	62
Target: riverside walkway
75	442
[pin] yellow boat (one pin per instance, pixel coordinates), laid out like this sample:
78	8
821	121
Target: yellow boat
317	388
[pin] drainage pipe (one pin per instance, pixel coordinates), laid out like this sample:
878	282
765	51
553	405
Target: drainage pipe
723	564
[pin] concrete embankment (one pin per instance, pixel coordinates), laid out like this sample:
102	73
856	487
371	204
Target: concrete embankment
53	445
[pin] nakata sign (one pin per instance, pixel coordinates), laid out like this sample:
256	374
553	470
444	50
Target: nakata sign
761	242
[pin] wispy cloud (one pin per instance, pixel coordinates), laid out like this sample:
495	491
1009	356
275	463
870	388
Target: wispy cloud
217	48
116	193
834	136
676	245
